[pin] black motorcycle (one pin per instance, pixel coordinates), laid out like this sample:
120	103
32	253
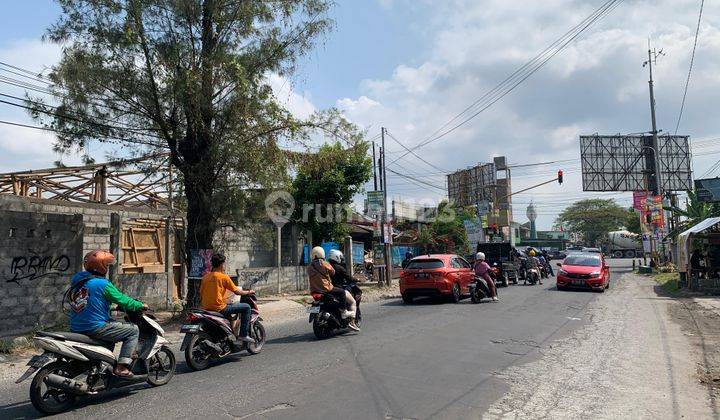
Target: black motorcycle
209	336
326	312
479	290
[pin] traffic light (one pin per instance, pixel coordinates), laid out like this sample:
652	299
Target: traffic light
560	177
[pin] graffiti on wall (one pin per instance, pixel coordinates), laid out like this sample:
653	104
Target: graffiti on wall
34	266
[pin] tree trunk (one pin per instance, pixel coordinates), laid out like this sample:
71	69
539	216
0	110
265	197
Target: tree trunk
201	217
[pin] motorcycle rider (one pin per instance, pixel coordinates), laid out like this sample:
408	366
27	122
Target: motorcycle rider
408	256
213	287
321	273
90	297
534	263
546	261
482	268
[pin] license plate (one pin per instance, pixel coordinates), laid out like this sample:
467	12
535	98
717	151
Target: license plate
421	275
313	310
190	328
578	282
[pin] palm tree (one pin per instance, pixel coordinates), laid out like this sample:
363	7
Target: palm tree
695	212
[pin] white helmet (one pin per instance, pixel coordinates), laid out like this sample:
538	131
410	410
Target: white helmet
317	253
336	255
480	256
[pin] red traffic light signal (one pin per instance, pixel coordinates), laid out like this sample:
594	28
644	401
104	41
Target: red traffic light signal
560	177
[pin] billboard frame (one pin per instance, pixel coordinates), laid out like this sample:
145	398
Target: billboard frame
469	186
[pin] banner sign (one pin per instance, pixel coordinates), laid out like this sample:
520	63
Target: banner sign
639	199
483	208
473	231
379	255
375	203
200	262
708	190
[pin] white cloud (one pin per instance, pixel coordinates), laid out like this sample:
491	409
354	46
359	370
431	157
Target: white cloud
298	104
597	84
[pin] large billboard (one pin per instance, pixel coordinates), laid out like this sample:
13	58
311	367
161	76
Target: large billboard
467	187
626	163
708	190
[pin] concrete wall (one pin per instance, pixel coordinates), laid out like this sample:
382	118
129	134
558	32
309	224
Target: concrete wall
48	242
265	280
255	246
38	253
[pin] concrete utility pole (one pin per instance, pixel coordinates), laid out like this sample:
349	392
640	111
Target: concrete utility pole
388	251
652	56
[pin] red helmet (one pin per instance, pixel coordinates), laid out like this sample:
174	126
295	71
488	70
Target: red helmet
98	261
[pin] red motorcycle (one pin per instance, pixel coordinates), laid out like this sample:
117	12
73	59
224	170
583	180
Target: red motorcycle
209	336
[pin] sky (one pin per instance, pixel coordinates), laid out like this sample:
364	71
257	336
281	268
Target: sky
412	65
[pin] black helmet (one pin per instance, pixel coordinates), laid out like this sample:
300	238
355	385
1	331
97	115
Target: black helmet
409	255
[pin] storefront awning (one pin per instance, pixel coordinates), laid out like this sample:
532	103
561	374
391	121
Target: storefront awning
683	254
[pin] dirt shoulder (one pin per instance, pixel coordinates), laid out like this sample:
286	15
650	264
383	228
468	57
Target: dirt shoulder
630	359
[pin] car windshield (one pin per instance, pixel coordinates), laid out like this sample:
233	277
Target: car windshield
425	264
582	260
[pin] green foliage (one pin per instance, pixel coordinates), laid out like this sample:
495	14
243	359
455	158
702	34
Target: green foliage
324	187
695	212
446	233
632	224
594	218
188	78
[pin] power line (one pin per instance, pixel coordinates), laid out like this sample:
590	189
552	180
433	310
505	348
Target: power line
413	153
521	74
692	60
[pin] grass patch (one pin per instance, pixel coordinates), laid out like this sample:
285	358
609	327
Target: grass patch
668	281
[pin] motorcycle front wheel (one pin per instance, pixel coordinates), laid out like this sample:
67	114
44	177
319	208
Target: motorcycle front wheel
257	331
161	367
196	357
49	400
475	296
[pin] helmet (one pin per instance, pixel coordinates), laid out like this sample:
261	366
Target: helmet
480	256
98	261
531	253
317	253
336	255
409	255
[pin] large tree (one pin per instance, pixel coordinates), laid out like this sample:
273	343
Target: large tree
188	78
324	187
593	218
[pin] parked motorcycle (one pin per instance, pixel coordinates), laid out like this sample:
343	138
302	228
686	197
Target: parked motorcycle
325	312
209	335
74	365
478	290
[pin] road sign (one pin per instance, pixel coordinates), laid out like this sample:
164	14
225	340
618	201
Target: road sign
376	203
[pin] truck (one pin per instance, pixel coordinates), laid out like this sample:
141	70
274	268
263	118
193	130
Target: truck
621	243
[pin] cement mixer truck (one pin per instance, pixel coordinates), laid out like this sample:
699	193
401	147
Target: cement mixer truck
622	243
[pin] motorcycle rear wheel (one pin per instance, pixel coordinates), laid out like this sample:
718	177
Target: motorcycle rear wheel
321	330
257	331
161	368
475	297
195	357
51	400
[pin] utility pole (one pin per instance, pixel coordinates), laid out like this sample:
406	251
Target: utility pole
385	224
374	168
652	57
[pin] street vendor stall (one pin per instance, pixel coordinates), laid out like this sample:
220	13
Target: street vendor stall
705	236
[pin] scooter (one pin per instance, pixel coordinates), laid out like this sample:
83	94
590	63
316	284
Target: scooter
209	335
325	312
74	365
478	290
533	276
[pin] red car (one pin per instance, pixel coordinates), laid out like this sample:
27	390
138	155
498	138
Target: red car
584	271
436	275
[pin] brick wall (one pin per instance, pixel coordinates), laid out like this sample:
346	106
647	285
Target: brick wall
31	289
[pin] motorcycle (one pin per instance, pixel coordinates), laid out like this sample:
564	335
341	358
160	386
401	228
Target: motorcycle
544	272
478	290
75	365
325	312
533	276
209	335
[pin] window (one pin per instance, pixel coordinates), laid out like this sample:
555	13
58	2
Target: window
463	263
582	260
425	264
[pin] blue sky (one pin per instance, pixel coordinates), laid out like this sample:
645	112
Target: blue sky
411	65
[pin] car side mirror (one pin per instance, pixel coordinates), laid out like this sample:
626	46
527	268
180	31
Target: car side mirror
559	264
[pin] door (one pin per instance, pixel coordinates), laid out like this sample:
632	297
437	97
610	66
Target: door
465	273
606	271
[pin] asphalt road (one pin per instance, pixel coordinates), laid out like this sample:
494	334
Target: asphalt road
427	360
